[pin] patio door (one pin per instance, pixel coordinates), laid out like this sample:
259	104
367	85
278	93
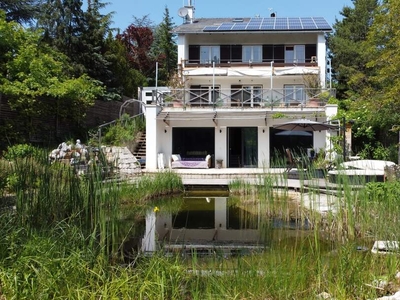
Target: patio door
242	147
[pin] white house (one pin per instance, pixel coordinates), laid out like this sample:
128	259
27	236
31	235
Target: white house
239	77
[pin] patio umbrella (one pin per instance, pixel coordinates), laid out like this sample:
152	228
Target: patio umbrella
293	133
304	125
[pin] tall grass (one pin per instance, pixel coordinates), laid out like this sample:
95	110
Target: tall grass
150	186
63	241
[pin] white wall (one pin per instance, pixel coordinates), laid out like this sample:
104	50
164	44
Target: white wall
182	48
263	147
331	112
221	144
153	137
321	54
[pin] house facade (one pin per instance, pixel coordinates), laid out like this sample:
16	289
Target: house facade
237	78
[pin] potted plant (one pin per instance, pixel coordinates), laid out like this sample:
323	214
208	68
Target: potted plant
168	100
312	82
320	165
177	84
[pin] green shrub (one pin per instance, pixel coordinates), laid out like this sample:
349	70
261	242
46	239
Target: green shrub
5	170
123	131
20	151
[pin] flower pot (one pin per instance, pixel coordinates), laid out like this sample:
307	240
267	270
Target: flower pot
313	102
177	103
218	164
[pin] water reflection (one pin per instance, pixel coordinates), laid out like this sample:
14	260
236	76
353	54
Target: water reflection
208	224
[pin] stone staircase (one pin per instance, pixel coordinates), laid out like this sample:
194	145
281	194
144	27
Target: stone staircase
122	160
140	149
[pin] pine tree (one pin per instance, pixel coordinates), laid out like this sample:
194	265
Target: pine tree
79	35
165	49
21	11
345	45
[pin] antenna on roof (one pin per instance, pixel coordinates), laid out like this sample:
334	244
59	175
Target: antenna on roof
183	12
187	12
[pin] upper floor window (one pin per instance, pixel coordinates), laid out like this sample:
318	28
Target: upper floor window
295	54
209	54
231	53
290	54
252	53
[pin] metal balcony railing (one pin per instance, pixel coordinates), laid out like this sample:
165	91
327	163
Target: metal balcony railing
246	97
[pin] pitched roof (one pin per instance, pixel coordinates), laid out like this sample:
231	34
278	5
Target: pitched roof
270	24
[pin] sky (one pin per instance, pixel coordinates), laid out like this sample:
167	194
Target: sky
125	10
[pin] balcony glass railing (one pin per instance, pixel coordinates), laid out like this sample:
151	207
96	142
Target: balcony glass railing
244	97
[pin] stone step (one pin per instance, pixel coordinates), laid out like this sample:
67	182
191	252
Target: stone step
122	159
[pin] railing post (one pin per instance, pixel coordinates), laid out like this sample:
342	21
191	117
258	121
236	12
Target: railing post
398	151
272	79
99	136
344	138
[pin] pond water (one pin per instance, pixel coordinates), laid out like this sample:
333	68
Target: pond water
223	224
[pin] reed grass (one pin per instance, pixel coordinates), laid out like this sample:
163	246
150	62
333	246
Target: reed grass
64	240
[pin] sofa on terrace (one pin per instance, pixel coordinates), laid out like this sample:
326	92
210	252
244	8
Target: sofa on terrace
177	162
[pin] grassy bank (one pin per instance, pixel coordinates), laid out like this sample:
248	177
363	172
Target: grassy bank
62	238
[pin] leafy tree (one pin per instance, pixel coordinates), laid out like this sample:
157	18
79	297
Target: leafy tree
348	46
383	44
138	40
165	49
368	73
39	82
125	80
380	96
11	34
80	35
345	45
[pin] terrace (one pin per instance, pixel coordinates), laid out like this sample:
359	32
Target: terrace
243	97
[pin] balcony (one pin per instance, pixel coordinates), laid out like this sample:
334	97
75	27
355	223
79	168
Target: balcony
247	97
209	64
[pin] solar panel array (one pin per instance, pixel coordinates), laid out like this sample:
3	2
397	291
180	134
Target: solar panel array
273	24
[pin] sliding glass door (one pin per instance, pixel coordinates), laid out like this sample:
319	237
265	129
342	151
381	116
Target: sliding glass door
242	147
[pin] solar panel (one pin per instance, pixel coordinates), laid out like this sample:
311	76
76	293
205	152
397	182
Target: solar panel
266	26
241	26
225	26
272	24
268	21
321	23
256	20
281	23
210	28
294	23
308	23
253	27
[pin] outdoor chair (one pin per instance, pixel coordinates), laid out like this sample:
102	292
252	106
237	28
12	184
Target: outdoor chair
302	162
290	162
